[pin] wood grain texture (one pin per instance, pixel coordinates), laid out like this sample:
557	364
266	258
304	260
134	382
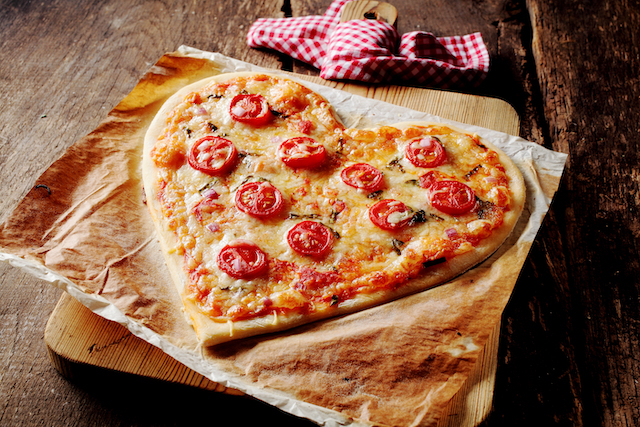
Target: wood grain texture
81	343
366	9
584	276
67	65
569	342
77	340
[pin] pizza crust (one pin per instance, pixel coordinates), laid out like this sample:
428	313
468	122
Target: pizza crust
211	332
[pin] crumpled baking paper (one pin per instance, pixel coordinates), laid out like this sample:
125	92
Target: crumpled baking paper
85	229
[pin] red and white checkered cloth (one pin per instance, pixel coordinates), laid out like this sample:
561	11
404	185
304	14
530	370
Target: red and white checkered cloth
372	51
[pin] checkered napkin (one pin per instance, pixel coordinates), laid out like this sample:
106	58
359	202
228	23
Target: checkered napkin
372	51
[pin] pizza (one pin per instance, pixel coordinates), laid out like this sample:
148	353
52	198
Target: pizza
272	214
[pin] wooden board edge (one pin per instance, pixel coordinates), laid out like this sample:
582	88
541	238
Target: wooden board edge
74	336
488	112
477	390
72	326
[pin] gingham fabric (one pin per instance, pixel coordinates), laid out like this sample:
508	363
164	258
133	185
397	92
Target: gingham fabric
372	51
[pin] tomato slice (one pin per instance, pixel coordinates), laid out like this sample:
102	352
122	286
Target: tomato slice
310	238
302	152
390	214
242	259
212	155
251	109
425	152
259	199
362	175
452	197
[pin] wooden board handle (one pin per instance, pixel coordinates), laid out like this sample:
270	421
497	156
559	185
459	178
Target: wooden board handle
365	9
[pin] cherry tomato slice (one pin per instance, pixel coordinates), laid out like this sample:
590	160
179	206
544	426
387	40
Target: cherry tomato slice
390	214
425	152
310	238
452	197
250	109
302	152
242	259
362	175
259	199
212	155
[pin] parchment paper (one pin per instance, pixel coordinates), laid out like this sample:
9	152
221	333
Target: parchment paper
396	364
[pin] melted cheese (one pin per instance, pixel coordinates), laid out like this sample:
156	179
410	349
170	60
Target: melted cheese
361	251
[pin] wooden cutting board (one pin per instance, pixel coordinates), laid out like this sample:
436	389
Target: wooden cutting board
77	338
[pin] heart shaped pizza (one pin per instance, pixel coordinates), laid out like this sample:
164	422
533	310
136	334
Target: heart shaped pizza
272	214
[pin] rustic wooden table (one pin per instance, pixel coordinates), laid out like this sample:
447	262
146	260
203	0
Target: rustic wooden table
569	345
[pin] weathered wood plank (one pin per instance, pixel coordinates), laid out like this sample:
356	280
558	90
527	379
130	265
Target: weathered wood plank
578	349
